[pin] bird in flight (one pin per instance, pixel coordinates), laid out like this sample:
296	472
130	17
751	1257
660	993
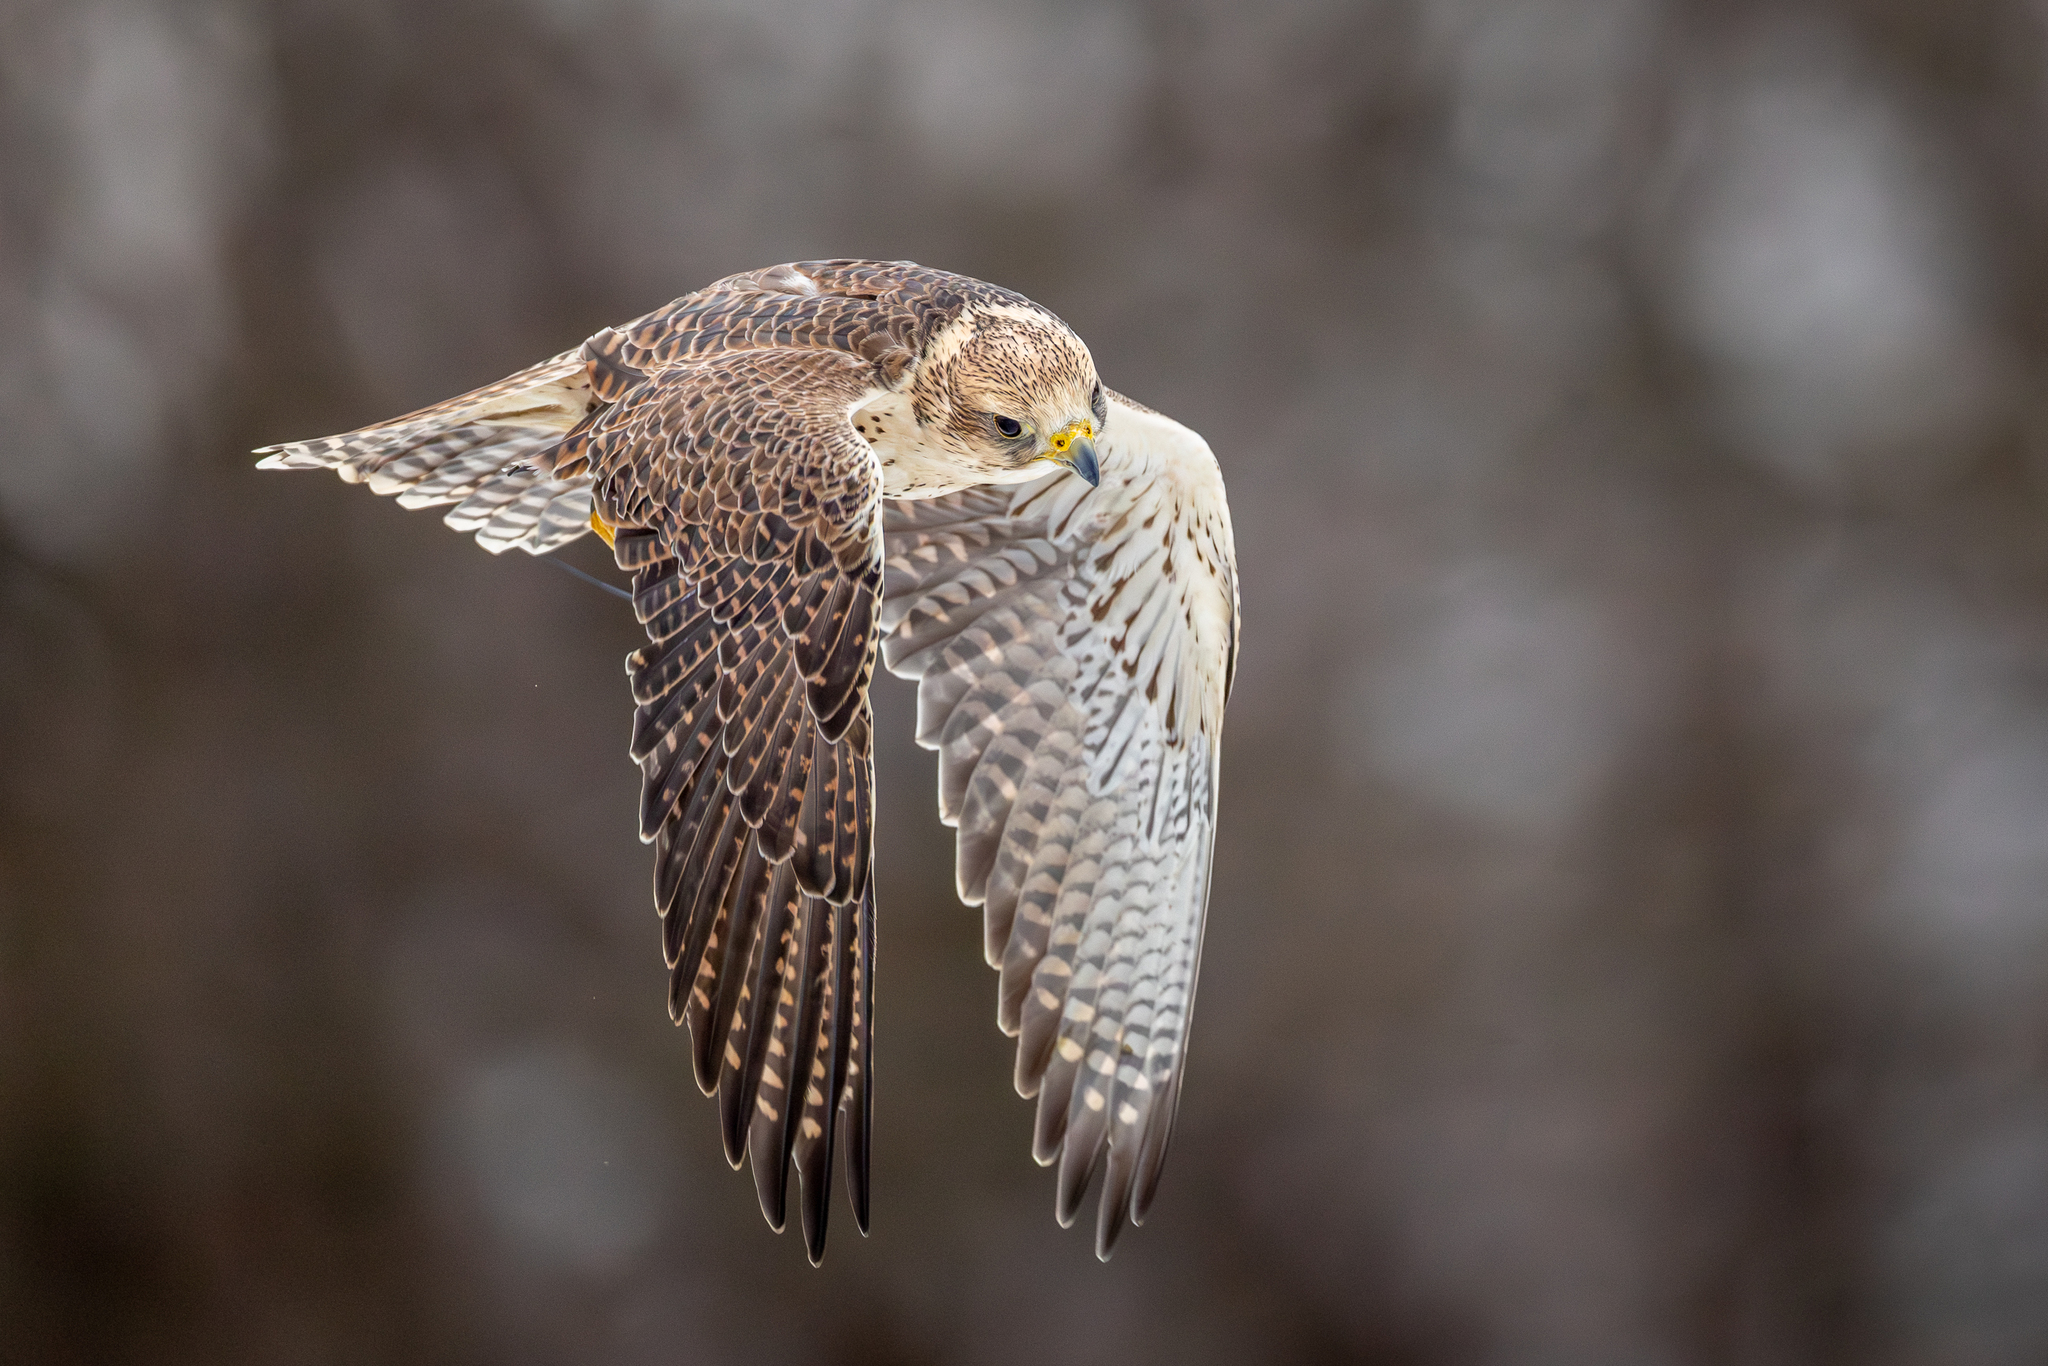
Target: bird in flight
804	467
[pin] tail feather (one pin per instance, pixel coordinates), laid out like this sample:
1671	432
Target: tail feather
537	517
491	452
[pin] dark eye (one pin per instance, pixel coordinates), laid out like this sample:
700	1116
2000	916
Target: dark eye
1010	427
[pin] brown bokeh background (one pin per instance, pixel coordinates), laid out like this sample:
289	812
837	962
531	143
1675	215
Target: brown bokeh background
1630	926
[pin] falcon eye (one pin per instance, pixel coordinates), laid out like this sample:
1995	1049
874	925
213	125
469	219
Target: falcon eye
1010	427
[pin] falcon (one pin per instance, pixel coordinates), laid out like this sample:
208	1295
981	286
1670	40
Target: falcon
808	466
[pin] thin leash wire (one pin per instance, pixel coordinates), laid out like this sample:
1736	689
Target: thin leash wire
568	568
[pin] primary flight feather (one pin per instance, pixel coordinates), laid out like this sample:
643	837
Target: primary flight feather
809	465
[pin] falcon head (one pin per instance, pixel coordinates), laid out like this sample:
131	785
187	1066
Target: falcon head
1009	389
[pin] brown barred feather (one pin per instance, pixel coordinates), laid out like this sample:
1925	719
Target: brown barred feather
753	1026
856	1105
746	904
803	971
761	765
792	759
816	831
819	1122
704	901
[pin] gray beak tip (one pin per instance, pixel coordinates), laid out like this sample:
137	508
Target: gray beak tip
1084	463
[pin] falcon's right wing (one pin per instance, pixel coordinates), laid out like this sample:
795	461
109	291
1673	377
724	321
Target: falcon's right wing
746	507
1073	648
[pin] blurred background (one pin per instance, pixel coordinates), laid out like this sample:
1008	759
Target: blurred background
1635	818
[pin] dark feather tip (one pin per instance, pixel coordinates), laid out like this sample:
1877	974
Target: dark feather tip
771	1184
734	1103
1075	1173
817	1202
856	1121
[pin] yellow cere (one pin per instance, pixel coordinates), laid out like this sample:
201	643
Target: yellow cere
1065	437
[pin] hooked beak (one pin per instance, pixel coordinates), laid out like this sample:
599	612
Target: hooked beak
1074	447
1080	458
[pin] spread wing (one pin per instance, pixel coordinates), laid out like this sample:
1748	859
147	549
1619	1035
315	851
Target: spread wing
748	511
713	436
1073	648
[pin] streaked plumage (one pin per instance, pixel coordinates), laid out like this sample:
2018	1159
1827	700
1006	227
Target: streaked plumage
801	466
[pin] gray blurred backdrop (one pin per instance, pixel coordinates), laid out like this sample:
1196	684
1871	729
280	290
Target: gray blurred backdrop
1630	927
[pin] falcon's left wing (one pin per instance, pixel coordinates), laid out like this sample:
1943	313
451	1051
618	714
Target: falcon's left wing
1073	648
